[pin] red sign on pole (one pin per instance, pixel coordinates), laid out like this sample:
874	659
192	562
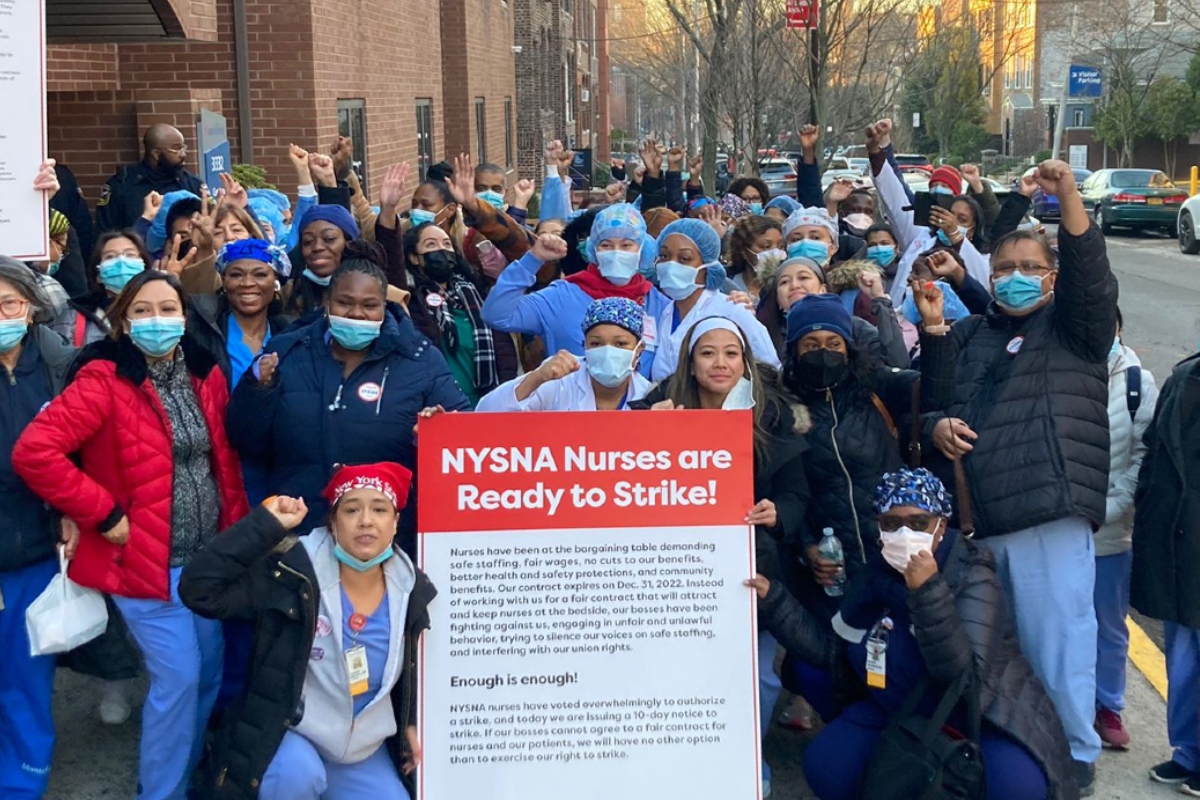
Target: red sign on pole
801	14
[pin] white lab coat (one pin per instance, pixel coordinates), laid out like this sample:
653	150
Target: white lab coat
572	393
711	304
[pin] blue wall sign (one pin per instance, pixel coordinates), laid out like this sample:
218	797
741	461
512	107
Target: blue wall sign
1085	81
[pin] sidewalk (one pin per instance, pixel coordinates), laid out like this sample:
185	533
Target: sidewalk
97	762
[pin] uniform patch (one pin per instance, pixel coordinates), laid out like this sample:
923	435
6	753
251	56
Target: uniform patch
1014	346
368	392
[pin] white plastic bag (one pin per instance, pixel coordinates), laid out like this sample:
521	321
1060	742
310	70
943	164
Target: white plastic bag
64	616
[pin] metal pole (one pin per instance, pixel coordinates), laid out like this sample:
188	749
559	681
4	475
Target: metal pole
241	46
1061	120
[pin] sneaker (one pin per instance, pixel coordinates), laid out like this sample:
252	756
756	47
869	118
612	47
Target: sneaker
1085	776
1112	730
114	705
798	716
1170	772
1191	786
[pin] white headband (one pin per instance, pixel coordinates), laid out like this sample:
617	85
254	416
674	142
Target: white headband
709	324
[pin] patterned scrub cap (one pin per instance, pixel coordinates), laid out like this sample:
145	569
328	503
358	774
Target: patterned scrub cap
619	311
918	488
810	216
255	250
735	206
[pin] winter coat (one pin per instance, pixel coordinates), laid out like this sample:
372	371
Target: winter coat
554	313
844	278
89	324
310	417
27	528
1166	529
961	622
111	418
1128	448
124	194
254	571
1035	390
208	319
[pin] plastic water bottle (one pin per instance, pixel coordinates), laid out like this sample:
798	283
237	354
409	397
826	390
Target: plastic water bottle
830	549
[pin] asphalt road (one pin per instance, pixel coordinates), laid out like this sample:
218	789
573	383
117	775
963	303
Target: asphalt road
1160	299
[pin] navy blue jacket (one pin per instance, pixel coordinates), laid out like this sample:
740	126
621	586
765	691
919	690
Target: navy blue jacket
27	528
309	418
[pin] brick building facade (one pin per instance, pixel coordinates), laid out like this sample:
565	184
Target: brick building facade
419	78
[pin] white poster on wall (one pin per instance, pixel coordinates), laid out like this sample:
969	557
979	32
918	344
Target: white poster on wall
1077	155
24	224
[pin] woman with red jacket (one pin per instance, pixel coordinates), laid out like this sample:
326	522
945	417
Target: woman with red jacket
134	451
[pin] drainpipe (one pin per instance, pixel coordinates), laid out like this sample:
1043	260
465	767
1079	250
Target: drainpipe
241	51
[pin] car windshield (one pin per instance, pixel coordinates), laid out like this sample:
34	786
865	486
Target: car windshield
860	163
1140	179
912	161
774	169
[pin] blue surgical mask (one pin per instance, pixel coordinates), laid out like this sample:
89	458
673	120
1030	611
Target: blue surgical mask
1017	292
495	199
944	239
419	216
319	280
156	336
12	331
358	564
756	208
942	190
677	281
953	307
118	271
610	366
53	267
809	248
618	266
354	334
1116	348
882	254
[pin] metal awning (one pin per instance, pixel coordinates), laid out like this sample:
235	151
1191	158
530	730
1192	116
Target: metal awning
78	21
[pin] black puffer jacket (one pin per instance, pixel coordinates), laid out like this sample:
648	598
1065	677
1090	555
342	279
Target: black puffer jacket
208	319
961	622
1035	390
1166	533
252	571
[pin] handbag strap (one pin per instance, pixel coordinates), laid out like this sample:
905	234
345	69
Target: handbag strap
954	692
966	521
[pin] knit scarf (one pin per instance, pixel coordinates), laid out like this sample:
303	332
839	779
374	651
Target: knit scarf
461	294
598	287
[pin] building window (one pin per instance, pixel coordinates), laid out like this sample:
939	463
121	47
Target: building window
1077	118
1029	73
567	6
481	129
568	84
424	136
352	123
1161	13
1008	70
508	132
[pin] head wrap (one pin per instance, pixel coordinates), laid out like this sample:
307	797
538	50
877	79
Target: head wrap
387	477
619	311
709	324
810	216
735	206
918	488
275	198
700	202
787	205
619	221
255	250
58	223
949	176
156	237
659	218
819	312
268	213
337	215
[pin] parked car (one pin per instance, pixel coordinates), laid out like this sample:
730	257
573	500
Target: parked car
1046	205
1189	214
779	174
915	161
860	165
1133	198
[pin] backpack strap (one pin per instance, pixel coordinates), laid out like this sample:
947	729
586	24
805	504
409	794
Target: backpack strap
1133	390
81	322
887	415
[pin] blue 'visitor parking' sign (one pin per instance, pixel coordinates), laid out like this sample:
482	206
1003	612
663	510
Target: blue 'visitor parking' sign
1085	81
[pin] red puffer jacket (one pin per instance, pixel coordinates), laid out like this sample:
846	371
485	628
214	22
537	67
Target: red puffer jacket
111	417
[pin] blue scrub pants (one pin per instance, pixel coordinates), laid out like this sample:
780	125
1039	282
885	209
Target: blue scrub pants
836	761
769	689
1049	573
1112	642
184	656
1183	693
26	688
297	772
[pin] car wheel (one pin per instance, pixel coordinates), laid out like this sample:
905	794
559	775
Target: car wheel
1101	222
1187	235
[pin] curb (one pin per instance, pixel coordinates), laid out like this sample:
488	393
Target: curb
1146	656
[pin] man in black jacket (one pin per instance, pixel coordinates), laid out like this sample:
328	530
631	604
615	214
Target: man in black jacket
160	170
1024	393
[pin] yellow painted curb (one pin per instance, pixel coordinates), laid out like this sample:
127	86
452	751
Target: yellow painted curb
1146	656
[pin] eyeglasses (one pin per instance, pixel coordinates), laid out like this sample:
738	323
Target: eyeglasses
916	522
1024	267
13	307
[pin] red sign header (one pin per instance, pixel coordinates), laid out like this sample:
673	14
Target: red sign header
801	14
613	469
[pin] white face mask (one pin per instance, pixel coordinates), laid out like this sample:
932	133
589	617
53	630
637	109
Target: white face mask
618	266
741	396
610	366
775	253
899	546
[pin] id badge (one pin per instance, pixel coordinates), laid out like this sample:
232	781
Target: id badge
877	644
649	331
357	670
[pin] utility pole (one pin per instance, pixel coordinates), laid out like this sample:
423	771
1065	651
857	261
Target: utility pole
1060	121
